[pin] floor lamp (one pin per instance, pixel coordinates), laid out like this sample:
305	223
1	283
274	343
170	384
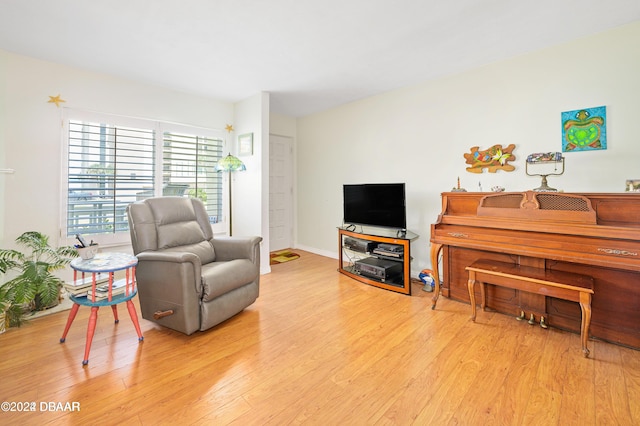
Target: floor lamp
230	164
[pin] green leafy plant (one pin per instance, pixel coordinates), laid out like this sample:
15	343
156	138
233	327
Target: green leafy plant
34	283
13	312
200	193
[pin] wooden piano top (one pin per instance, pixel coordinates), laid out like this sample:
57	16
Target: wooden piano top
601	228
603	209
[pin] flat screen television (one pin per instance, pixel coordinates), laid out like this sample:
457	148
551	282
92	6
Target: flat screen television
375	204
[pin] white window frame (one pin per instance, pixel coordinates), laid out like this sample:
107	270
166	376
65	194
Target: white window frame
123	238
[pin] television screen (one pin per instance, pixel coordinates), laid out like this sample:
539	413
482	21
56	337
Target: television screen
375	204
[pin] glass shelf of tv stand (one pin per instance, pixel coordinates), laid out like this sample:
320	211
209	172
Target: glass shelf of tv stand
381	232
347	264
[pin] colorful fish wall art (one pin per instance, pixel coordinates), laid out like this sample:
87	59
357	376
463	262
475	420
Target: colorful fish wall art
493	159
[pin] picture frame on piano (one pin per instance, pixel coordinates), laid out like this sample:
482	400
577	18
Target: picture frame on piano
632	185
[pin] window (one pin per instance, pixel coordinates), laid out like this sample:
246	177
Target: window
188	164
113	161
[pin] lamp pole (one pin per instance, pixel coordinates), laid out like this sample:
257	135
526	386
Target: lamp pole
230	206
230	164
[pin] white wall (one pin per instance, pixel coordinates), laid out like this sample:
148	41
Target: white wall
251	187
419	134
282	125
3	95
31	140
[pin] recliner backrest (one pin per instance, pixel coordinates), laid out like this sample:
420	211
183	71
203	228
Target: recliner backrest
171	223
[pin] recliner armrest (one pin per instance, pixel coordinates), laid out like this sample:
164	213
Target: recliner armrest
168	256
171	267
230	248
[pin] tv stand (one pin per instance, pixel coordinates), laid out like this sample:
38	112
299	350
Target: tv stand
388	267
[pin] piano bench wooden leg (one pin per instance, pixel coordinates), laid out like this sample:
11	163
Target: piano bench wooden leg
472	296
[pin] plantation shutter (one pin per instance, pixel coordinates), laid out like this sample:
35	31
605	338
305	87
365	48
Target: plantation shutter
109	166
188	167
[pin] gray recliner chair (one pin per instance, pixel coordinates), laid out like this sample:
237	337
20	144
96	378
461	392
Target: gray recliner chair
187	279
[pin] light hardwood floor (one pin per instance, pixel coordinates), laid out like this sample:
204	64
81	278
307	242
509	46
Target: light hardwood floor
320	348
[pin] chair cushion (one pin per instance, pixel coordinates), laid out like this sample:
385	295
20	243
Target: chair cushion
179	234
203	249
178	228
221	277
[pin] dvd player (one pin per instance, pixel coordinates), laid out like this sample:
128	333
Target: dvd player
389	250
362	246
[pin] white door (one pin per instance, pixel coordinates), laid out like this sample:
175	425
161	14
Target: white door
280	193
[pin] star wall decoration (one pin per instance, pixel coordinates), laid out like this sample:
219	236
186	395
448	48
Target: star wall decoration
229	128
56	100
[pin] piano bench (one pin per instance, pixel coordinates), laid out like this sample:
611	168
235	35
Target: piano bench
558	284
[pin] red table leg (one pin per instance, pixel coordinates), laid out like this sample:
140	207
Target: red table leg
114	308
134	317
72	316
91	329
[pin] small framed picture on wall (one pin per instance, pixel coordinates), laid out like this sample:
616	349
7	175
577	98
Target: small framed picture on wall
245	144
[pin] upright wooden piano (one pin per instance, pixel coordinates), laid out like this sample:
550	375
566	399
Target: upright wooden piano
591	234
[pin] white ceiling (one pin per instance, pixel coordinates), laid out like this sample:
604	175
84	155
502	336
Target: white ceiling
310	55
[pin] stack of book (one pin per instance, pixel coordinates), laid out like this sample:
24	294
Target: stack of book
81	286
102	291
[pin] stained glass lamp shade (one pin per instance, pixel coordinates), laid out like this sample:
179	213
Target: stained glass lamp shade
230	164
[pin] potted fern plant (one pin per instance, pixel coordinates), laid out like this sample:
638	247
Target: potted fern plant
4	305
10	313
34	283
